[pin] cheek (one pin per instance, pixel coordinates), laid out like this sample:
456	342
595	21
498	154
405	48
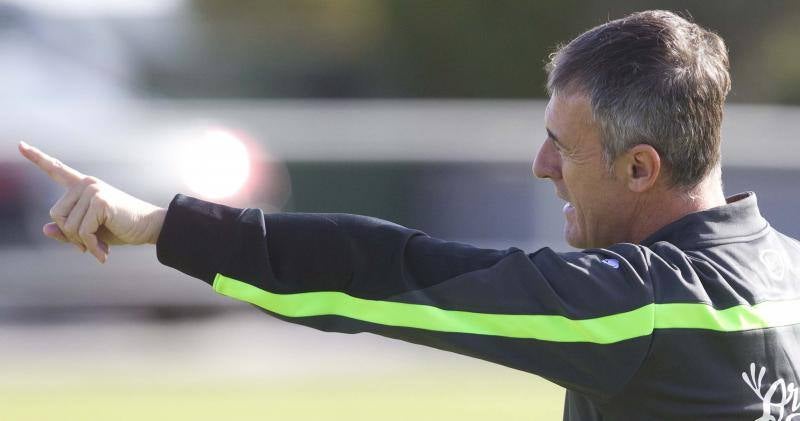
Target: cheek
582	188
604	213
593	196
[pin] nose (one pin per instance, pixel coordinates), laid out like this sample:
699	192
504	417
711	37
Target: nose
547	163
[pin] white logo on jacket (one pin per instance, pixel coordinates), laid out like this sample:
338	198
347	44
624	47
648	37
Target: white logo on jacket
614	263
779	398
774	262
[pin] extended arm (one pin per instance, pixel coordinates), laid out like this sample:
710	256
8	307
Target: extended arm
570	317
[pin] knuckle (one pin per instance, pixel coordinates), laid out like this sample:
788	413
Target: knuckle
57	218
99	201
69	229
96	206
84	233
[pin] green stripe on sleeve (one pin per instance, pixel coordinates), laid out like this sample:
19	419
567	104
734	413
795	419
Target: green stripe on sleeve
601	330
732	319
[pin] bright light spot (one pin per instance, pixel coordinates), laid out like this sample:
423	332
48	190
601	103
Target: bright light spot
216	165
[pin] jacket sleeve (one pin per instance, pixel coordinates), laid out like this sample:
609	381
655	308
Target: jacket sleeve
582	320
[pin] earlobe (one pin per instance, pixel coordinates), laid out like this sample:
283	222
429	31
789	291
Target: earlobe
643	167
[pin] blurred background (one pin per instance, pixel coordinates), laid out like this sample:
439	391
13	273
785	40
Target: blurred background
425	113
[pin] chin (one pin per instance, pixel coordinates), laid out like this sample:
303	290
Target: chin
574	239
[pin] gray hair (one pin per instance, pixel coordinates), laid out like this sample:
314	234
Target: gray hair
655	78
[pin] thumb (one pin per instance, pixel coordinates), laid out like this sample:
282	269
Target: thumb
53	231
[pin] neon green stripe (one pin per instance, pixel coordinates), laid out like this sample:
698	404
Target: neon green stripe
601	330
733	319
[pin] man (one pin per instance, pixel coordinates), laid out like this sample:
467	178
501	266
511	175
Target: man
682	304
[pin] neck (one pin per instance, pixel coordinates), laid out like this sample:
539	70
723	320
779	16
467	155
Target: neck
669	205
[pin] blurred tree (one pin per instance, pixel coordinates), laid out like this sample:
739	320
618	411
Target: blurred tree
474	48
443	48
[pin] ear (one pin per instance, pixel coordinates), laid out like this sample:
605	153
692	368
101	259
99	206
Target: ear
641	167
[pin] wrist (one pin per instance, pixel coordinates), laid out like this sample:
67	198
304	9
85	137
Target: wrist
156	224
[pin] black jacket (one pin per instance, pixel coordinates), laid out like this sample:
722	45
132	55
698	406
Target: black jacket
699	321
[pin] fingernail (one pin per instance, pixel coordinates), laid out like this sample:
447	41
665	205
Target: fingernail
24	145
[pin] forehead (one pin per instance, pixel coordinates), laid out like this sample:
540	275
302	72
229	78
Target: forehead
568	113
568	110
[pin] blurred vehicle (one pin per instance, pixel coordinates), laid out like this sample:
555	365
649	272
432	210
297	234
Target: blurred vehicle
67	87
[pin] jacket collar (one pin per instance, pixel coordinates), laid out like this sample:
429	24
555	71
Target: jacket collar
739	219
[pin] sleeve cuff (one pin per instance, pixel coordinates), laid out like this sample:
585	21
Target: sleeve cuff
196	236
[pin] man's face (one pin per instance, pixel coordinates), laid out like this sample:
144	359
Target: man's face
599	206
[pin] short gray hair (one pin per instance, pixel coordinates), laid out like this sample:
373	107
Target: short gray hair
655	78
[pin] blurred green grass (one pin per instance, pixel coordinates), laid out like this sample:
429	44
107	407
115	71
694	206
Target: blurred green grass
504	394
243	366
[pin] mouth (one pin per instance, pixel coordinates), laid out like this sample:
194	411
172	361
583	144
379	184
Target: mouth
568	204
568	207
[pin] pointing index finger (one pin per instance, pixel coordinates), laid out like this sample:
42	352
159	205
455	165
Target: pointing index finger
56	170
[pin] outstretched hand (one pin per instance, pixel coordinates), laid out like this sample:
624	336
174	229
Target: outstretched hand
92	214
